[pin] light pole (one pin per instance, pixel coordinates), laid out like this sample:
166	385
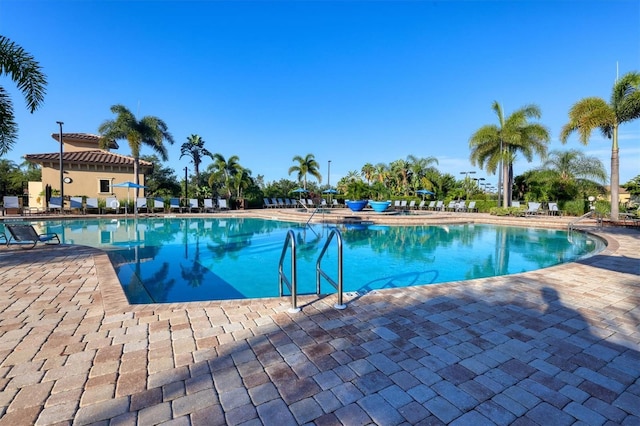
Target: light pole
329	178
186	194
466	181
60	123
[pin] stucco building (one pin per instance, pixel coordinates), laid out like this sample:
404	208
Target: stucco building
88	170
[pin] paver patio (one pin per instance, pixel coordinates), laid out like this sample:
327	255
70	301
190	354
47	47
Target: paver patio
550	347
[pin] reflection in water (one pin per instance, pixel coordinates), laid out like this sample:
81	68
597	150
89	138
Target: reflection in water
188	259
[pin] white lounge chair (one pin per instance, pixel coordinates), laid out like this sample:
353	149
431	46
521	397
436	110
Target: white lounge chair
208	205
91	204
141	204
533	209
111	204
11	203
193	205
222	204
158	204
472	207
553	209
452	206
412	204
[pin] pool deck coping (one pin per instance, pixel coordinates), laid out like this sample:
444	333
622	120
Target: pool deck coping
490	350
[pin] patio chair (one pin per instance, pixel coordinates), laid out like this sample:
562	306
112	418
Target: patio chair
141	204
75	203
111	204
91	205
158	204
267	204
11	205
472	207
452	206
336	203
174	204
461	206
193	205
533	209
515	204
421	206
222	204
288	203
28	237
439	206
432	205
412	204
280	202
55	203
209	207
553	209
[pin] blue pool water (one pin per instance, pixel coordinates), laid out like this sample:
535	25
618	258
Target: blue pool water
194	259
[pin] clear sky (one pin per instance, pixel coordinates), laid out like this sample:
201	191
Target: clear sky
348	81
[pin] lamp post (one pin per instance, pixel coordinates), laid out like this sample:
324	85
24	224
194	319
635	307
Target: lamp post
329	178
186	194
60	123
466	181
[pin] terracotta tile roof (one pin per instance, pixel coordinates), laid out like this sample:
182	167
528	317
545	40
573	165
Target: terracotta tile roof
97	156
84	137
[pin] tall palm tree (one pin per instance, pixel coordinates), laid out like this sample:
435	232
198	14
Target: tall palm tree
590	113
419	168
492	145
575	165
149	130
225	170
368	171
194	148
27	73
241	181
306	166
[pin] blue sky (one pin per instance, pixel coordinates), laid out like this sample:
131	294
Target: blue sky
348	81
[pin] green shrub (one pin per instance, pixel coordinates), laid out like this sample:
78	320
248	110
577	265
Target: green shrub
574	208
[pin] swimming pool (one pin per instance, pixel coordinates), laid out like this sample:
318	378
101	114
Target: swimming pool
160	260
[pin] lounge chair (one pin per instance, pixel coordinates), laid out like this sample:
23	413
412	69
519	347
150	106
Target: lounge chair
336	203
515	204
158	204
11	203
472	207
174	204
91	205
75	203
323	203
267	204
111	204
412	204
27	237
141	204
432	205
553	209
193	205
222	204
452	206
55	203
461	206
288	203
310	203
421	206
208	205
534	209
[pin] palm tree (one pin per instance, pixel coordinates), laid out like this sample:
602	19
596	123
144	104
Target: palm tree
26	72
492	145
241	181
419	168
194	148
368	171
590	113
575	165
306	166
225	169
149	130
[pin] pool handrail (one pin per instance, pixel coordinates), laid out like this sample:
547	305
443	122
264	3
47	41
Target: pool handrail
319	272
293	284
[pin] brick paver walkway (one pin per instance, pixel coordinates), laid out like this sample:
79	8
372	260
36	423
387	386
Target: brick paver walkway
557	346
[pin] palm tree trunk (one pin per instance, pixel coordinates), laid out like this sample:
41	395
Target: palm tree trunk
136	176
615	175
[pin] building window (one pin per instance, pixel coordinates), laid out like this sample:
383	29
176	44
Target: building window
105	185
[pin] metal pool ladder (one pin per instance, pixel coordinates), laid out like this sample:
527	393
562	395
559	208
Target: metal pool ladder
290	241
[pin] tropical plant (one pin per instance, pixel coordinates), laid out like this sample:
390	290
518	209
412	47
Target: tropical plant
368	172
492	145
633	186
149	130
162	181
27	73
420	168
593	112
306	166
224	170
194	148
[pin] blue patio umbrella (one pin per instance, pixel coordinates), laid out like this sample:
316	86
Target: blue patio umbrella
424	192
300	191
330	191
128	185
